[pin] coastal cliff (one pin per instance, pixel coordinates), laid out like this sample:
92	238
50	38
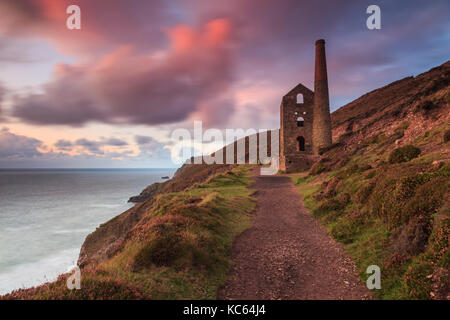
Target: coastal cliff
381	189
109	237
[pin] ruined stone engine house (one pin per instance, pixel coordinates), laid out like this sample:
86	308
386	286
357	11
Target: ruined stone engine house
305	123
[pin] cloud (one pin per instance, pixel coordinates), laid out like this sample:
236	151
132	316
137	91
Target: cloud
144	140
2	94
116	142
151	149
160	62
64	145
148	144
91	146
18	151
18	147
128	87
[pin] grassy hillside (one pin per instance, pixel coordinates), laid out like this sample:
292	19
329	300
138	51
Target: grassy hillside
394	215
178	250
382	188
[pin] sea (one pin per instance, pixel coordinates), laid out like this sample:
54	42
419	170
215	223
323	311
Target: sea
45	215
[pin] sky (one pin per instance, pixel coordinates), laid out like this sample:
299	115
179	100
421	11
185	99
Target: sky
111	94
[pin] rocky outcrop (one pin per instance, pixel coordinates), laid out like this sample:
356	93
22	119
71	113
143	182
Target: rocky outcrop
148	192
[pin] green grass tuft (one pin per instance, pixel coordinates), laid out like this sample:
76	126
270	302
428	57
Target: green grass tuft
404	154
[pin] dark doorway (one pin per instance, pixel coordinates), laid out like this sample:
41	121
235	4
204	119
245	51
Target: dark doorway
301	143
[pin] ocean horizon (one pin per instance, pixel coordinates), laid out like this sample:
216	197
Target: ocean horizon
46	213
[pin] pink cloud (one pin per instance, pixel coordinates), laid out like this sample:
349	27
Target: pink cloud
126	86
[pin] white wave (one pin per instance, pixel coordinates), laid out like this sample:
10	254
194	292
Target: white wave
105	205
17	229
68	231
36	273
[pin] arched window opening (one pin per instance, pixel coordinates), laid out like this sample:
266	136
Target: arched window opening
299	98
300	122
301	143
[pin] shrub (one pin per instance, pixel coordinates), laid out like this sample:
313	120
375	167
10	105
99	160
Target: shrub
347	228
363	194
343	162
93	287
396	198
344	199
163	250
371	140
440	243
406	187
330	204
426	105
331	188
337	203
370	175
447	136
399	132
349	170
344	136
330	147
404	154
318	168
365	167
426	200
424	276
417	281
412	237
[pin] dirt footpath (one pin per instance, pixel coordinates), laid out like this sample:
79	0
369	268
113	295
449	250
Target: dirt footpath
286	254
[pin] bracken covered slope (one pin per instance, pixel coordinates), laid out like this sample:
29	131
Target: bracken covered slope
382	188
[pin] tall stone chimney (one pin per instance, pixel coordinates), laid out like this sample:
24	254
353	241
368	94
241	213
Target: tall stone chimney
322	119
